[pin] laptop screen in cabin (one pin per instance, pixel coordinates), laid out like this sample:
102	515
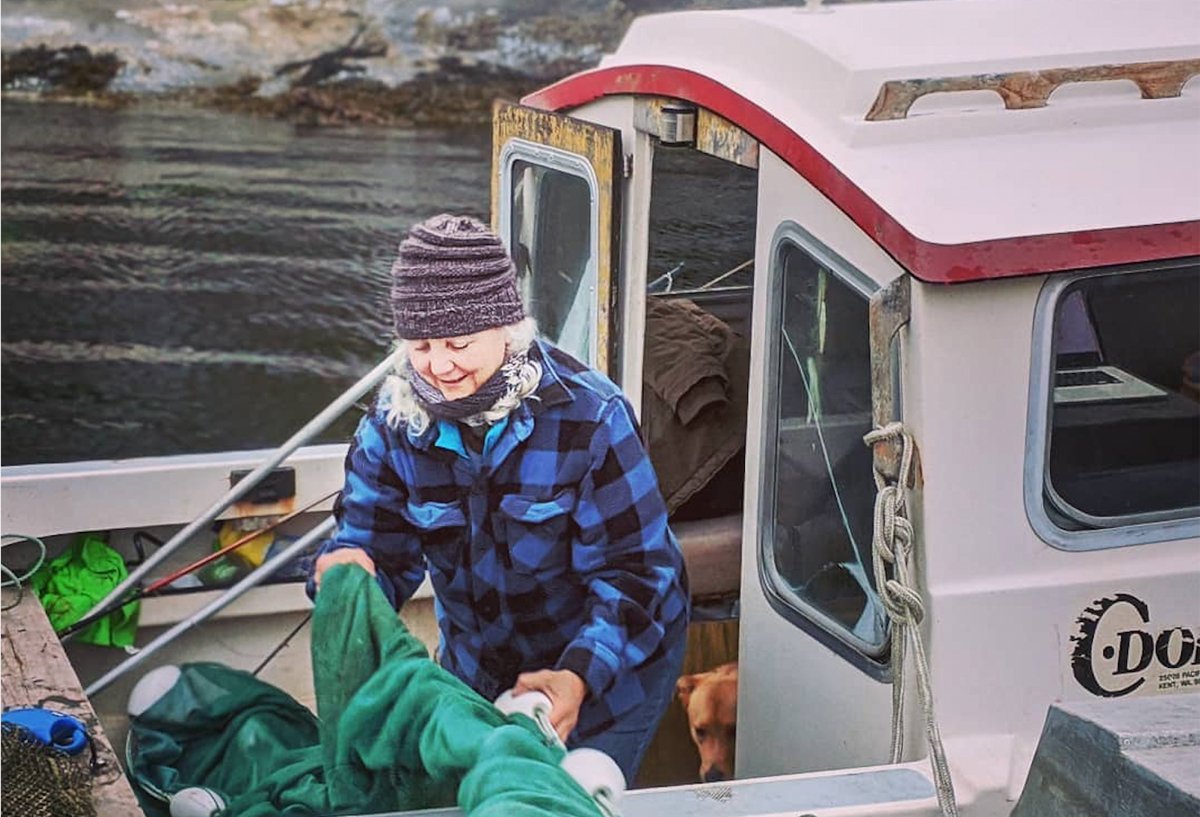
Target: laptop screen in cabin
1076	343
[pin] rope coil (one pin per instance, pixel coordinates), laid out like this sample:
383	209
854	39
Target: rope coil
12	579
892	545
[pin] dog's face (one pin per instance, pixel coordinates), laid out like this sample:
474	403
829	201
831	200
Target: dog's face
710	700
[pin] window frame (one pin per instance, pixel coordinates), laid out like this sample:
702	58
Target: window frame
572	164
1106	532
874	660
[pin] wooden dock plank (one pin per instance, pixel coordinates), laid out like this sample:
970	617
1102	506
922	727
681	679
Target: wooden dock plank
35	672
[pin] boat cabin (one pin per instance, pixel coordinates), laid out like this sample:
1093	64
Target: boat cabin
927	213
972	227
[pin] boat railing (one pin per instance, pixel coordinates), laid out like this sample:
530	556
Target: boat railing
241	488
252	579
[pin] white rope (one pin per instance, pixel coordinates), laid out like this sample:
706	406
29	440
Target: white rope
12	579
892	544
725	275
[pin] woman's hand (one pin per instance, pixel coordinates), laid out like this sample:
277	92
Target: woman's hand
344	556
566	692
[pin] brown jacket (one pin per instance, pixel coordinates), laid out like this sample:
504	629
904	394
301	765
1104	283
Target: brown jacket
694	395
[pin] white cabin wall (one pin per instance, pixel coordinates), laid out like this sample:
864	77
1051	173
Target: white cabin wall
801	707
1002	604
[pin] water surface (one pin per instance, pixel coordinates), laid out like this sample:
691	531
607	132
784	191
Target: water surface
182	281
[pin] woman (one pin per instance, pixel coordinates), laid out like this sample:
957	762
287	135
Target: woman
515	475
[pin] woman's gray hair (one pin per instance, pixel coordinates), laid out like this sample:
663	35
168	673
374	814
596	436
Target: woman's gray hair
397	399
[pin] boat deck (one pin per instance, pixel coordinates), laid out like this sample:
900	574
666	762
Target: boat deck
36	673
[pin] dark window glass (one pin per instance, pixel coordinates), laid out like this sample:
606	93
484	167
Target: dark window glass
823	485
1125	415
551	243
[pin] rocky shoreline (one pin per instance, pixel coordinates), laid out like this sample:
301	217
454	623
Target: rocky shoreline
435	98
307	61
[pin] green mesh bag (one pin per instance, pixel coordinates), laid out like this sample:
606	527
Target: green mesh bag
395	731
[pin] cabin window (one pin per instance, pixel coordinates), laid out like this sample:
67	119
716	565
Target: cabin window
555	186
816	555
551	236
1123	401
551	244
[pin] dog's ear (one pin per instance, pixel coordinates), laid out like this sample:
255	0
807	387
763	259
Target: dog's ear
684	688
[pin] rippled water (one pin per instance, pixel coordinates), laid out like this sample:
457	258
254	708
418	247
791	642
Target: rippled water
179	281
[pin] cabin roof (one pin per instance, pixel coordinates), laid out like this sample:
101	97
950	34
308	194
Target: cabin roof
959	187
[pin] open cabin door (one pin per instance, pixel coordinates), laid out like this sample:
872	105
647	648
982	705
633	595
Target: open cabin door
554	189
814	631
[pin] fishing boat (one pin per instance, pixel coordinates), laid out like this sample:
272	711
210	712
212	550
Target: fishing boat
948	275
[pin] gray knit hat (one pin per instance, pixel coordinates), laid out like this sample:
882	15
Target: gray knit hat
453	277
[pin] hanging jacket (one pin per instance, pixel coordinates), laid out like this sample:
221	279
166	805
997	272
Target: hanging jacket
548	549
694	403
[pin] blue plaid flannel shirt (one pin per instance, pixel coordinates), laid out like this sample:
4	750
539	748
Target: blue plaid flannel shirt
548	549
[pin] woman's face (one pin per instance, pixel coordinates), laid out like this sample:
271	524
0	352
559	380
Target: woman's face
457	367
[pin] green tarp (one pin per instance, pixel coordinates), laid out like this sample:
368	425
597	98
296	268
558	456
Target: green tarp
71	585
395	731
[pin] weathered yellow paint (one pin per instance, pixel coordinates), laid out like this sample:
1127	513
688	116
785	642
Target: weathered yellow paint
715	135
600	146
719	137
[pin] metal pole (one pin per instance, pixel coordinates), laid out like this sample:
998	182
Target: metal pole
314	426
252	579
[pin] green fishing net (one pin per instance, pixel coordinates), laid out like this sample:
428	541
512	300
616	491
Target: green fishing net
395	731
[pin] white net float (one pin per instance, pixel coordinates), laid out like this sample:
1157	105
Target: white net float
534	705
151	688
196	801
600	777
529	704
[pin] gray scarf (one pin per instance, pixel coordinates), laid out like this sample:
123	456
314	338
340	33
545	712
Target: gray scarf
486	396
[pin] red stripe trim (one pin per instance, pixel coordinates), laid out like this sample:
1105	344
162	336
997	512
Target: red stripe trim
936	263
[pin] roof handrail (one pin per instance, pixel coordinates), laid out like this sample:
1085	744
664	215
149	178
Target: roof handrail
1032	89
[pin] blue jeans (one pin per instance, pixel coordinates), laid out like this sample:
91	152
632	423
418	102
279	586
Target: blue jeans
626	740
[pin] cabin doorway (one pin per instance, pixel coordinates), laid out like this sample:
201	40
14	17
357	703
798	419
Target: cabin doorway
558	186
695	371
700	275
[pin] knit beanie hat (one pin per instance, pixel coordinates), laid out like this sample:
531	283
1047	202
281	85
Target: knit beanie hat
453	277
